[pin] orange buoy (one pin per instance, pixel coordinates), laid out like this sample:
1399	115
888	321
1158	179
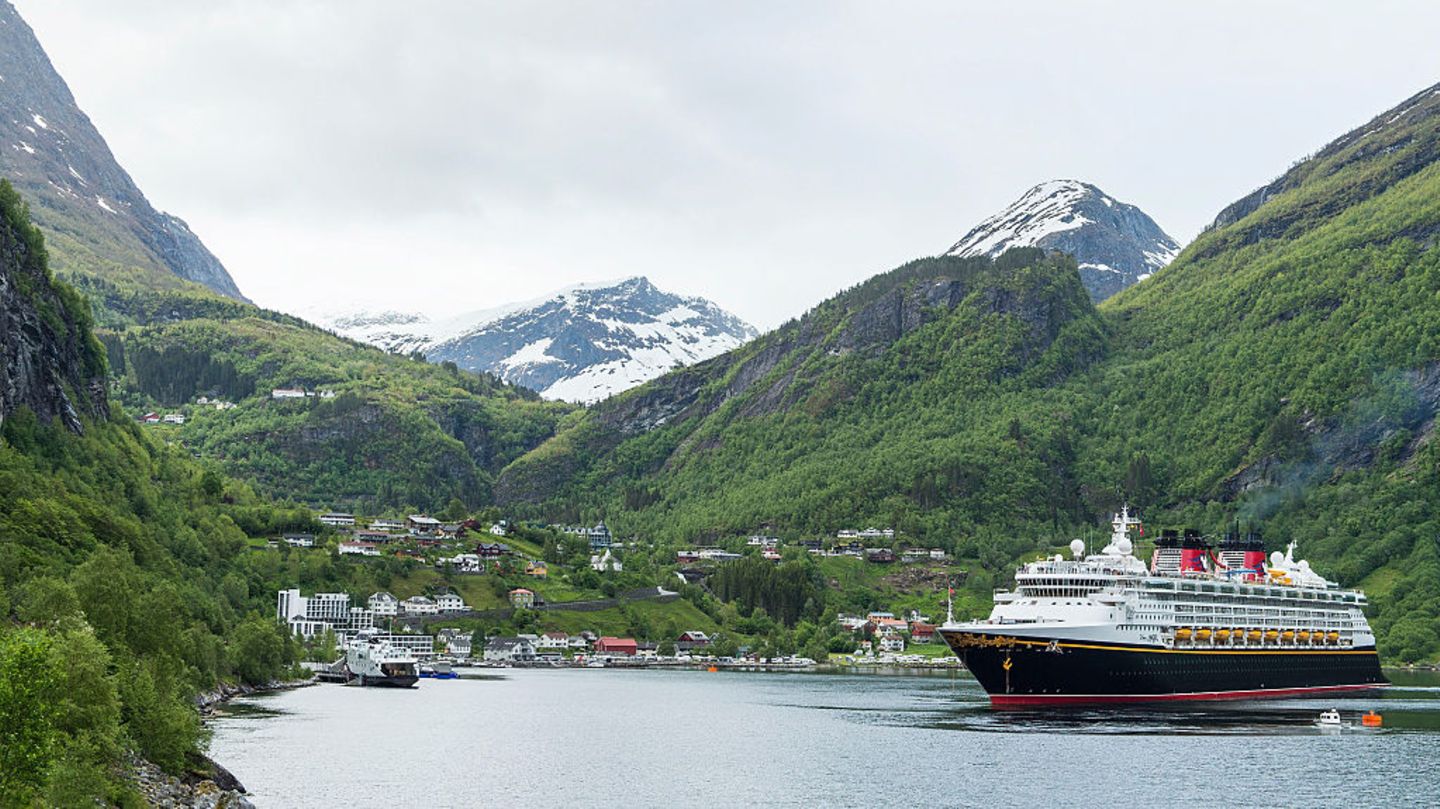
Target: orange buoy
713	668
1371	720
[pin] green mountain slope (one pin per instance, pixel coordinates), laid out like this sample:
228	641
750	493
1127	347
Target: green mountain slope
1282	370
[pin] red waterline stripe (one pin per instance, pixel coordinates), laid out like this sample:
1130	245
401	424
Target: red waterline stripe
1022	700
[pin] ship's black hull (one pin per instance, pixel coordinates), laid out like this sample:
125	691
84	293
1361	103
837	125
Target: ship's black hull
1042	672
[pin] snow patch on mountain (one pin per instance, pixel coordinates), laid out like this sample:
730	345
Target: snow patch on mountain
1115	244
582	343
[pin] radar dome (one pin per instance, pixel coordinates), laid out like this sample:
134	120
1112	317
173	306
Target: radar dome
1077	547
1123	545
1276	559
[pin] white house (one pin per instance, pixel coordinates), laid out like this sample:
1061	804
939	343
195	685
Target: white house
606	562
467	563
287	393
359	549
384	605
553	640
450	602
300	540
892	643
500	529
419	605
336	519
388	526
174	418
508	650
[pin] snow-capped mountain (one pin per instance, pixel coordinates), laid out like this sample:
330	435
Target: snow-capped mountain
581	344
1115	244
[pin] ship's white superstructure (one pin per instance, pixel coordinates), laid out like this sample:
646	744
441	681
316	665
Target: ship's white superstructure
1114	597
373	660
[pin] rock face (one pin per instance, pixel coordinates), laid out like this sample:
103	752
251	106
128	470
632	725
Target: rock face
1115	244
78	192
580	344
49	362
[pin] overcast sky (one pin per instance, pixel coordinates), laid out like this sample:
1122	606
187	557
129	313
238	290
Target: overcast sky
449	156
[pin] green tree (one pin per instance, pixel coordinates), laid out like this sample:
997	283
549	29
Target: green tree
28	682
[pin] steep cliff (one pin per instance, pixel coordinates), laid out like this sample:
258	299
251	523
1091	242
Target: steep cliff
49	361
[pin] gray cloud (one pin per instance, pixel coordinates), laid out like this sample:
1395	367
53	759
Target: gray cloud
454	155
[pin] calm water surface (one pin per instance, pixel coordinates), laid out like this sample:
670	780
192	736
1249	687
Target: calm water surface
679	738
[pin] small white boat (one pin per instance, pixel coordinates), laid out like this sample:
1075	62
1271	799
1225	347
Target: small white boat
1329	720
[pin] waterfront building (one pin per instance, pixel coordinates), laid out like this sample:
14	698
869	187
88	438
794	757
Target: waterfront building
616	646
553	640
892	643
509	650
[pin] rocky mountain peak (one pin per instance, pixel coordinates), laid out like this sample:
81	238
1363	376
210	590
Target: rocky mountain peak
56	157
1115	244
582	343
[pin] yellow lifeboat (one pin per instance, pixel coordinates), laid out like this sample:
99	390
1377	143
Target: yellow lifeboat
1303	635
1222	634
1183	633
1288	635
1333	637
1253	636
1271	635
1202	634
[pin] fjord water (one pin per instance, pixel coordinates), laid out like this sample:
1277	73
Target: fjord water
690	738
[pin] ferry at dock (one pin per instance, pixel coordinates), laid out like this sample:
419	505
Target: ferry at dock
371	660
1196	623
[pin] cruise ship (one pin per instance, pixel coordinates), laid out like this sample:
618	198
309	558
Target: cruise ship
1199	622
370	659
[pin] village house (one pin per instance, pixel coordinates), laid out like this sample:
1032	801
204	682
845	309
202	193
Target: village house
337	519
174	418
691	641
885	627
537	568
921	632
717	555
421	525
509	650
384	604
687	557
616	646
500	529
300	540
914	555
455	641
151	418
553	640
450	601
359	549
287	393
880	555
892	643
812	545
365	535
492	550
520	597
578	643
771	554
606	563
466	563
419	605
853	623
388	526
762	541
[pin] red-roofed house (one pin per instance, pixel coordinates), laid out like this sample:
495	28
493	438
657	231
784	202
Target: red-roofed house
921	632
616	646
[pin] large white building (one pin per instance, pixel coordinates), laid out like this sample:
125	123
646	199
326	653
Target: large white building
419	605
450	602
311	615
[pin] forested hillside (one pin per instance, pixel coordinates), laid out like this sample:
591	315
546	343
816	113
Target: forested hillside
1282	371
